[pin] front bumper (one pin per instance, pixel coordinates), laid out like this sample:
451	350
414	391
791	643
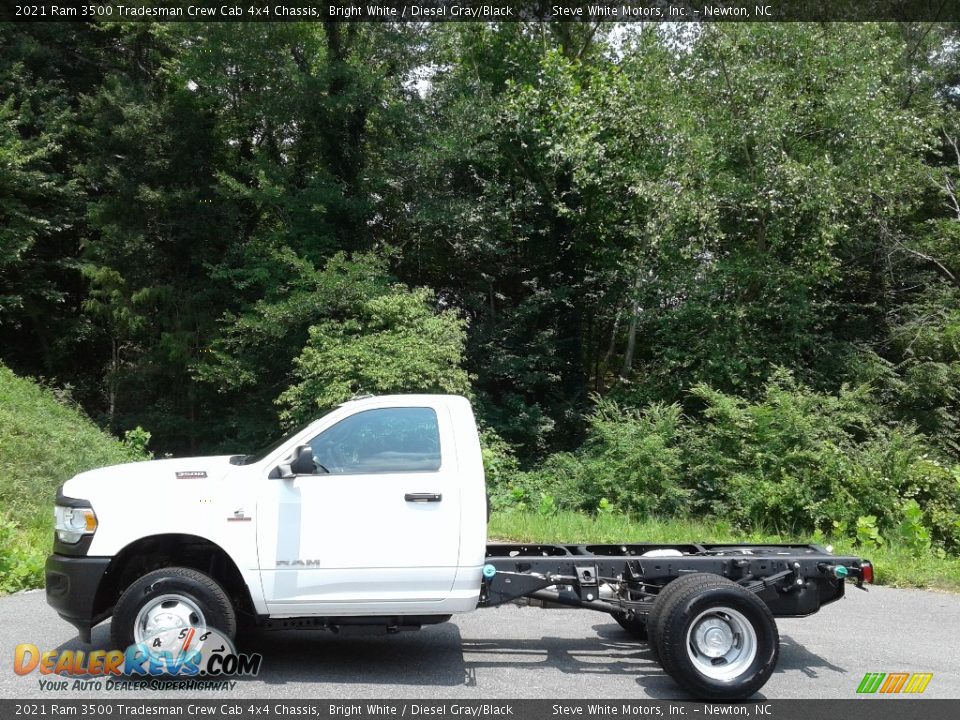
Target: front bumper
72	584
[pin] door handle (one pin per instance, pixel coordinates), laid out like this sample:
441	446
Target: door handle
423	497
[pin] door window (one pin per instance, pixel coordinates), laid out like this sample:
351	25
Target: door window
386	440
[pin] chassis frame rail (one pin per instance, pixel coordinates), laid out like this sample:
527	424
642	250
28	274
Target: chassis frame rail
793	580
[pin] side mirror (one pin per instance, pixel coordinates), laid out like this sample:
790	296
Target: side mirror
303	463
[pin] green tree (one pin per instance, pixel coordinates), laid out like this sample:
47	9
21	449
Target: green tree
502	231
802	152
217	167
394	343
40	202
29	193
251	361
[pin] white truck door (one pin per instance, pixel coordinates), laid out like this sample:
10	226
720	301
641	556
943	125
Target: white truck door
376	528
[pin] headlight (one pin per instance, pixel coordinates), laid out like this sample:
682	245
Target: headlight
72	523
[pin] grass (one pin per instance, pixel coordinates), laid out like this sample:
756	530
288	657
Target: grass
894	565
43	443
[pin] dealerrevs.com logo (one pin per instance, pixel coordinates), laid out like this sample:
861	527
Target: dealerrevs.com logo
894	683
180	658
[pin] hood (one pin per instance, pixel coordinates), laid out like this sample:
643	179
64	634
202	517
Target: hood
135	476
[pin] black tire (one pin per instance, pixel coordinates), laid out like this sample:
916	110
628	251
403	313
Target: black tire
663	597
636	627
736	675
666	598
191	585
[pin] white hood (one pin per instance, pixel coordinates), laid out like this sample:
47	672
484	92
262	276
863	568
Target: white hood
159	474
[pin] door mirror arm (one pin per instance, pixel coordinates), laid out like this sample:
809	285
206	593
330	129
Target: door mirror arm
303	462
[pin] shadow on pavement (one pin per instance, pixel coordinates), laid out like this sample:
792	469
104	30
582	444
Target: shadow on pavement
610	652
436	656
431	656
99	640
439	656
794	656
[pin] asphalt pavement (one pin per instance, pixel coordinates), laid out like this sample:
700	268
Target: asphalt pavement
523	652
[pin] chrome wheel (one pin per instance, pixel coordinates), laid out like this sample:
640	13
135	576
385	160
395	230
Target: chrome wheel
166	612
721	643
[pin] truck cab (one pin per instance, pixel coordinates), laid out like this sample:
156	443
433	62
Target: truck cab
375	511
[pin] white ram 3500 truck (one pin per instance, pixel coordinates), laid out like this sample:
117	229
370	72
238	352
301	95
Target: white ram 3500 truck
375	514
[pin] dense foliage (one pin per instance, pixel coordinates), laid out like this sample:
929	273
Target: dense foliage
705	268
794	461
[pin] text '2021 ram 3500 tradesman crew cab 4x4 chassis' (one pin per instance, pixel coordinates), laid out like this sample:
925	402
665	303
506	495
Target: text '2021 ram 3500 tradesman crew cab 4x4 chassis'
376	514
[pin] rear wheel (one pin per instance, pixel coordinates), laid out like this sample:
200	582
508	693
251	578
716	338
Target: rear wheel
661	600
716	639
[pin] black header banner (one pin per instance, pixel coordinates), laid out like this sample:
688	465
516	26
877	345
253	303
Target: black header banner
594	11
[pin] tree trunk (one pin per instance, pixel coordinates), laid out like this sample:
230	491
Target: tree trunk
631	339
112	382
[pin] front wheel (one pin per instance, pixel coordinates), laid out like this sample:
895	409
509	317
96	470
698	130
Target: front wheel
171	598
717	640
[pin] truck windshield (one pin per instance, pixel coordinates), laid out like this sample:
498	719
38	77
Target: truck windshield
263	452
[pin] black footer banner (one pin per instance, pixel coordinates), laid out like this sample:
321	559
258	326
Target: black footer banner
875	708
